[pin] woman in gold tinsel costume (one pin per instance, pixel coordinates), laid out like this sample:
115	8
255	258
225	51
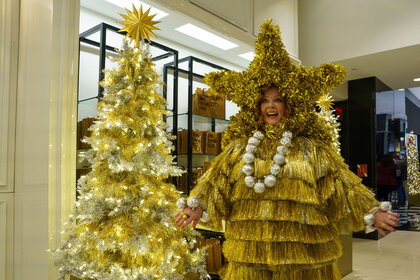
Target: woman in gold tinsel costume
280	183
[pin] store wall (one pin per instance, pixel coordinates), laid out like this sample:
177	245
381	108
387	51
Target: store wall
35	36
9	26
331	30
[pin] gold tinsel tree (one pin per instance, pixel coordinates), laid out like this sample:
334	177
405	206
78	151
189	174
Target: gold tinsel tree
327	113
122	225
413	173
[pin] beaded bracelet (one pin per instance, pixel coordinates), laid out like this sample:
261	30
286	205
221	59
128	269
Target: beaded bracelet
369	219
193	203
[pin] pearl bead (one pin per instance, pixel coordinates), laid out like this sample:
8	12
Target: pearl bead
282	149
279	159
385	206
249	157
249	181
253	141
285	141
270	180
258	135
192	202
247	169
250	148
275	169
288	134
259	187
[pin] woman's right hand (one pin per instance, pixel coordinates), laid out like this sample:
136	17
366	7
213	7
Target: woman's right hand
187	216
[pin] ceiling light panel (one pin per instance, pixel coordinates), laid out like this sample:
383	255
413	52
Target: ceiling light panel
248	56
416	79
205	36
129	4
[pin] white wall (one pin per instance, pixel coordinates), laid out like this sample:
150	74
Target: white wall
331	30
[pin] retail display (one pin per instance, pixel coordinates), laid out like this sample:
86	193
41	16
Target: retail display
200	129
413	172
122	224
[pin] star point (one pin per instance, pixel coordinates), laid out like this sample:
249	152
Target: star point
138	24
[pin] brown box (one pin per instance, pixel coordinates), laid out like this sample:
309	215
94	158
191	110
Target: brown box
182	183
212	143
217	107
220	134
196	173
201	103
198	144
199	141
214	258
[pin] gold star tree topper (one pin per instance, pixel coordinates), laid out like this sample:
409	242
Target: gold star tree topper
138	25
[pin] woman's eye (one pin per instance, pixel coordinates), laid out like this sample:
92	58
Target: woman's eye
279	100
264	101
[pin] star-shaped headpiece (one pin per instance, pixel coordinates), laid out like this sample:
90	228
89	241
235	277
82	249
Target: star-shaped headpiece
138	25
272	66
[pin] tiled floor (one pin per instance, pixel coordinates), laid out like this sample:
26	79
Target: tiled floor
397	257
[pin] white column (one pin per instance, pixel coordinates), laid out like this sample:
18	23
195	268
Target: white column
45	70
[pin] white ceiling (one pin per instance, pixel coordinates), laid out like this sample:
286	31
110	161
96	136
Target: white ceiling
396	68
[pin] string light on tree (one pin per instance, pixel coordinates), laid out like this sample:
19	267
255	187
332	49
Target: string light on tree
122	225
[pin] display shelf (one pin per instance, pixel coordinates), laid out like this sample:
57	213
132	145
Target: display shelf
188	120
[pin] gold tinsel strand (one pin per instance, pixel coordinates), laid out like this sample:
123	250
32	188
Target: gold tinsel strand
413	173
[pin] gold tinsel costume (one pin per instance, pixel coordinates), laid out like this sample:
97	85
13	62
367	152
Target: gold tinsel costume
290	231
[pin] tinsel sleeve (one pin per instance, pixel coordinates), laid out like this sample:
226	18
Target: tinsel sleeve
346	200
213	187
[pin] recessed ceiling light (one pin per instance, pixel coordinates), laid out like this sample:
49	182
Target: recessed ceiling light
416	79
249	55
400	89
205	36
129	4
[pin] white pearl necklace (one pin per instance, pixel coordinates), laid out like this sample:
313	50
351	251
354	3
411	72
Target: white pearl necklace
278	158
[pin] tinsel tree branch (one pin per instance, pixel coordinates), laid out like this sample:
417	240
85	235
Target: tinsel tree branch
413	172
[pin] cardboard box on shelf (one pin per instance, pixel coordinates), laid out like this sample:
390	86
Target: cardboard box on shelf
212	143
217	107
214	257
201	103
198	142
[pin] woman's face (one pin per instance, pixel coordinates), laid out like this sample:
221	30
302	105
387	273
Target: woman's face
272	106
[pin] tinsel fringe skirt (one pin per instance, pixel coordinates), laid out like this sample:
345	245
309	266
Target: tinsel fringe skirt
243	271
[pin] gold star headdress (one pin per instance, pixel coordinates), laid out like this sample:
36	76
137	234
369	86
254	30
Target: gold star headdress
299	85
138	25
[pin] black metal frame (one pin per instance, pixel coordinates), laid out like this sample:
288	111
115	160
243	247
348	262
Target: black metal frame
191	75
103	47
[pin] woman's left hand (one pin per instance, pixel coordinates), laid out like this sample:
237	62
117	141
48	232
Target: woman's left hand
385	220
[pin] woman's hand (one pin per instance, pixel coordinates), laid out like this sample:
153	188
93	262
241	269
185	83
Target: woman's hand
187	216
385	220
